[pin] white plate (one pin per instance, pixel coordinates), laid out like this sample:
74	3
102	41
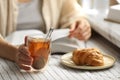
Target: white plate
108	62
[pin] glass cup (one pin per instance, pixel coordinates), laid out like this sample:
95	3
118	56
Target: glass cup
39	48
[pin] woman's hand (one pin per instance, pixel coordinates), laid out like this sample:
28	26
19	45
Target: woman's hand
80	29
23	58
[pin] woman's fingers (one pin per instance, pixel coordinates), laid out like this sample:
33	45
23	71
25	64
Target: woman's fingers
24	59
82	36
72	29
24	50
24	67
82	30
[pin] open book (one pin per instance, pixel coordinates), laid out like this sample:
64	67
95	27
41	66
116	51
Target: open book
60	40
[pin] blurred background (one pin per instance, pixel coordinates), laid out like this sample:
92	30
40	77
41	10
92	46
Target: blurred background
97	6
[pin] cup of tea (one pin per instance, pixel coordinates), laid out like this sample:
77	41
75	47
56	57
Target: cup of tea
39	48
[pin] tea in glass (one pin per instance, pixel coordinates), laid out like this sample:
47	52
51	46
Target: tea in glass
39	48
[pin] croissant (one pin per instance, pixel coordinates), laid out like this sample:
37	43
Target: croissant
88	56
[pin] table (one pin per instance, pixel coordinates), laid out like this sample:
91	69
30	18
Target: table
56	71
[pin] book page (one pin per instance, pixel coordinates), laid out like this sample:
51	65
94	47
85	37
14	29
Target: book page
64	44
17	37
59	33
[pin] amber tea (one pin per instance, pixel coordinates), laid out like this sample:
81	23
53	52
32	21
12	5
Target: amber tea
39	50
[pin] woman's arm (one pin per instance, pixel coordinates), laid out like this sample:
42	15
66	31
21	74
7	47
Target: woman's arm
7	50
19	55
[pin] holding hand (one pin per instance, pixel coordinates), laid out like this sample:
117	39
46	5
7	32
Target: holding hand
23	58
80	29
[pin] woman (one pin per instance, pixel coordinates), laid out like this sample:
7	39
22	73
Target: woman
57	13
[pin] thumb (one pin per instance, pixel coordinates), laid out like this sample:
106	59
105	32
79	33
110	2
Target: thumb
73	27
